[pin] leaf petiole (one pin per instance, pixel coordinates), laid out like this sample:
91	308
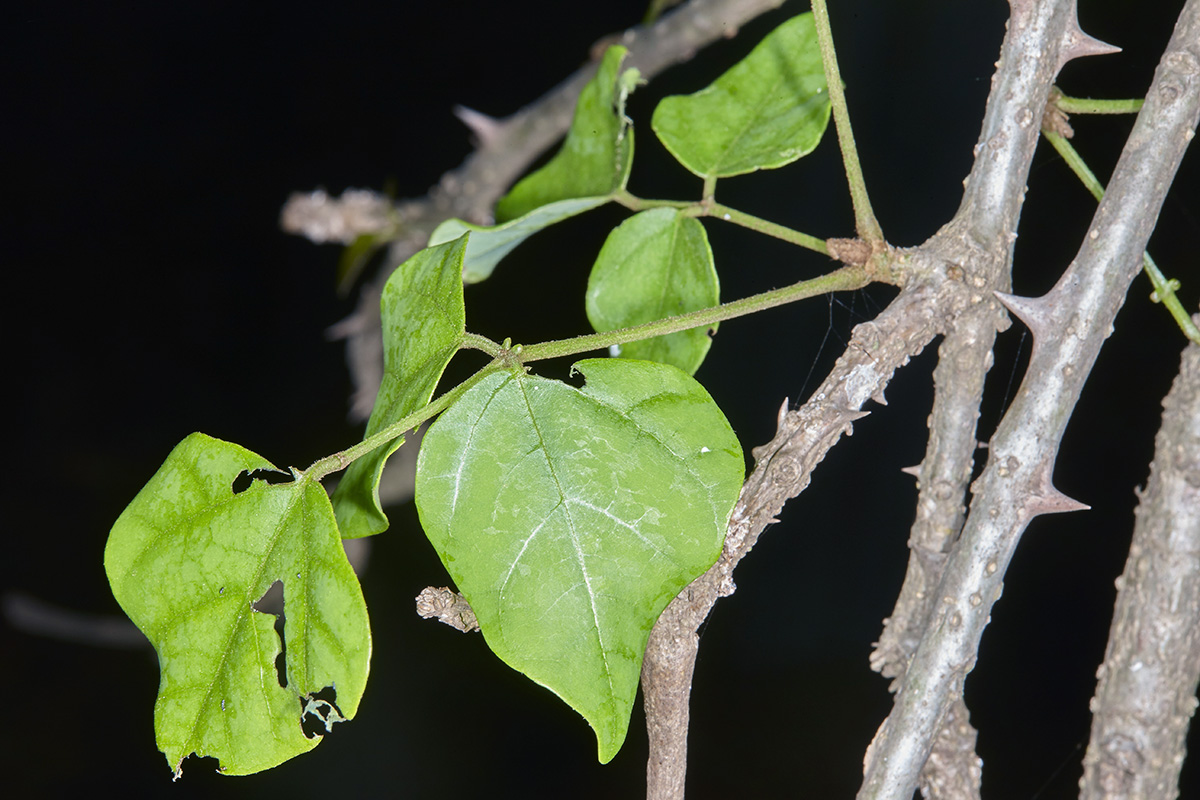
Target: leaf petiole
340	460
474	341
864	218
1086	105
764	226
711	208
846	278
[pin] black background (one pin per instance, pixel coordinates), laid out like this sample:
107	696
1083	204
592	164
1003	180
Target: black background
149	148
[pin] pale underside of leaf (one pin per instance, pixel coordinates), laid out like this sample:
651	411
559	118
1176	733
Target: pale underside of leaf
490	244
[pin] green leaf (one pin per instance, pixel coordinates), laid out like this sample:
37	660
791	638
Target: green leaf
655	264
490	244
598	152
768	110
424	321
188	559
569	518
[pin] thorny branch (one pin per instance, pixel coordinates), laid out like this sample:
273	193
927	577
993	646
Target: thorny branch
930	641
954	273
979	241
1069	324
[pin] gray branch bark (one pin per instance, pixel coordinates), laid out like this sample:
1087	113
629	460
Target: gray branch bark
1069	325
1147	691
953	277
979	240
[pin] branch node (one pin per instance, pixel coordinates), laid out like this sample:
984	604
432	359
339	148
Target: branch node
851	252
1054	119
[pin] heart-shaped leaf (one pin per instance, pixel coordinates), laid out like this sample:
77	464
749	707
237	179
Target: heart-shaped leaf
424	321
569	518
768	110
188	559
655	264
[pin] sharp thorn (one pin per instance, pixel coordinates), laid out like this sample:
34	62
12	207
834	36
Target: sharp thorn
1046	499
1078	44
1054	503
1030	310
486	129
914	470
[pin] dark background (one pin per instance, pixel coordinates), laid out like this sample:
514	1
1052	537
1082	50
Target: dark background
148	150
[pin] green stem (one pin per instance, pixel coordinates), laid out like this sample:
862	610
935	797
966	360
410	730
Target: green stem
474	341
339	461
1164	292
839	280
1164	289
655	10
714	209
864	218
842	279
1076	163
1086	105
710	189
635	203
769	228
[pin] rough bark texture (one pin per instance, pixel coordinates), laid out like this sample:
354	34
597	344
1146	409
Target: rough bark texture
1147	691
1069	325
951	280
